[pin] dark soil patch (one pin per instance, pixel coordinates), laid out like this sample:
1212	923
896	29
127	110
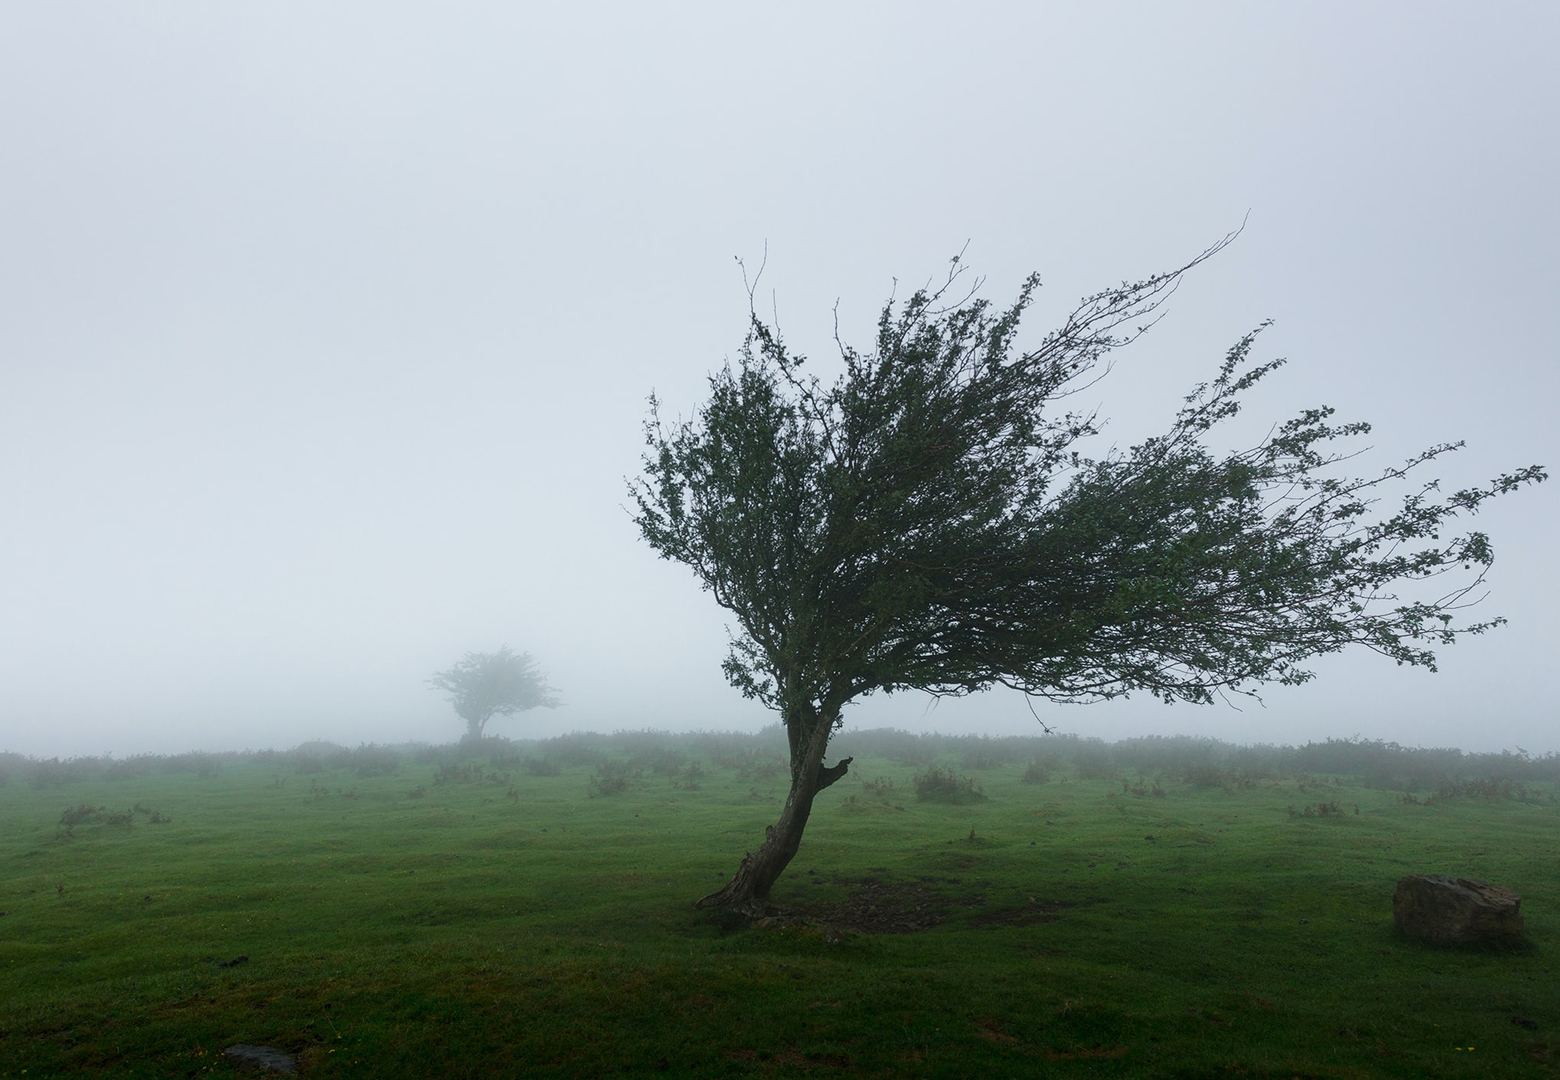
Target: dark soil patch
878	907
874	907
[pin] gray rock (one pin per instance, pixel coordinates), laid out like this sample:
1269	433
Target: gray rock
1456	911
262	1058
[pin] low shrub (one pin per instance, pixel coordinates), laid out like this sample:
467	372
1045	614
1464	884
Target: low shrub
612	777
944	785
984	754
689	778
505	756
372	760
1482	788
881	787
317	756
758	764
54	771
196	761
129	768
1041	769
1326	809
458	773
95	815
1204	774
1093	760
576	748
663	761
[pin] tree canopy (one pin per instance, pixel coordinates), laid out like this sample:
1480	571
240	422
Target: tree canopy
484	685
928	520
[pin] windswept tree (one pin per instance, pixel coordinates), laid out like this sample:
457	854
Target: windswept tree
484	685
928	521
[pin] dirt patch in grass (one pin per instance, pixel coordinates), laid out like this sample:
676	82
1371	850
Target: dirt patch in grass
875	907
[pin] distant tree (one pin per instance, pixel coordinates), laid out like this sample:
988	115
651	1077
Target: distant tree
926	522
485	685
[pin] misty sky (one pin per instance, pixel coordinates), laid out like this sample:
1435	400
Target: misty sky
326	330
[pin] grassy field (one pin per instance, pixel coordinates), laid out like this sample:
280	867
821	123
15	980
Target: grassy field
440	918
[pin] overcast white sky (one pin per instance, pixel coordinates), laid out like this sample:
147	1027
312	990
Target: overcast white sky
326	330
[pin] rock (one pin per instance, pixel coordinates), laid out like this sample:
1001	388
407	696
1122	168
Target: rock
1456	911
264	1058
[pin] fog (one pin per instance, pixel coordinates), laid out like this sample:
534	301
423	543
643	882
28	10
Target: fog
327	330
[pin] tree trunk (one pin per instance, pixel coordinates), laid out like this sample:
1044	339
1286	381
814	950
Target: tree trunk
748	891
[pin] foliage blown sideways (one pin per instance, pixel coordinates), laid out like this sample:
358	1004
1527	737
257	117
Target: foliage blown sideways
484	685
926	521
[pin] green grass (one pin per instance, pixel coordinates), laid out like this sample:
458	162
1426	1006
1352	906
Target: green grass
399	927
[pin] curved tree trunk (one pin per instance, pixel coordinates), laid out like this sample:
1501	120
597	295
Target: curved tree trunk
748	891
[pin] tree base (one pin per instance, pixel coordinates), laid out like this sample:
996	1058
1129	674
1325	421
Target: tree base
747	893
741	894
749	908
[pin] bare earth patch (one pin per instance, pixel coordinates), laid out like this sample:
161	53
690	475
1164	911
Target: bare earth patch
877	908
